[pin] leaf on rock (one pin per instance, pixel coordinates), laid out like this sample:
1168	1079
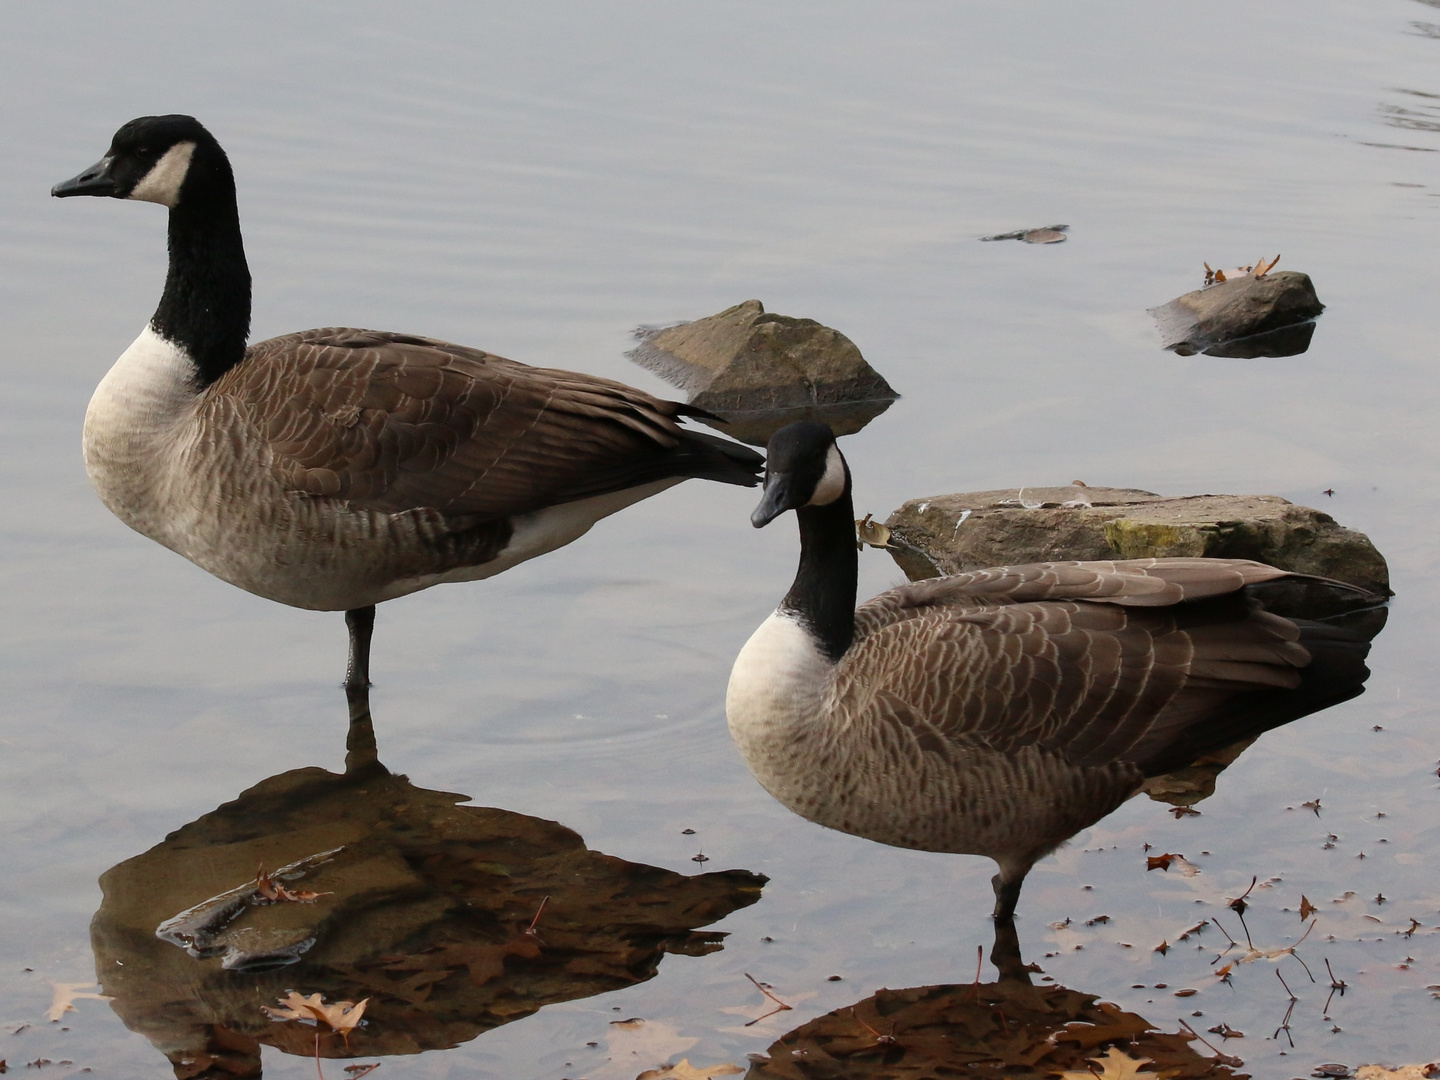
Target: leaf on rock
269	889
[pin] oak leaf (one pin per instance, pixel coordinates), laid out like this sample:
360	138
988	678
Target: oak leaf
1166	861
1115	1065
340	1016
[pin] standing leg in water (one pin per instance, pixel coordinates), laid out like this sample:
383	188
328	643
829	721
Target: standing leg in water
360	749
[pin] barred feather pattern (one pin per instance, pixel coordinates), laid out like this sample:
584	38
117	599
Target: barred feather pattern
998	712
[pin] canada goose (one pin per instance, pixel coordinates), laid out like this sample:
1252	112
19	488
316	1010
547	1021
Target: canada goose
999	712
334	469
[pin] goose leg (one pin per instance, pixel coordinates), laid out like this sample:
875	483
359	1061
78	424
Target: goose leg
1006	953
361	757
1007	895
361	624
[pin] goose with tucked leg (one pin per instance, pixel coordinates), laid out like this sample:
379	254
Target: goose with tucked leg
999	712
337	468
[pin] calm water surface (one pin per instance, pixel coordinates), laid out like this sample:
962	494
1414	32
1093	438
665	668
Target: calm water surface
537	182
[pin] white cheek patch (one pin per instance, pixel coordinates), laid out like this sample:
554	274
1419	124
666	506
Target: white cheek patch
162	183
832	484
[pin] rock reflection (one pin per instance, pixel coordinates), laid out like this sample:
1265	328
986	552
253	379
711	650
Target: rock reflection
1007	1028
424	909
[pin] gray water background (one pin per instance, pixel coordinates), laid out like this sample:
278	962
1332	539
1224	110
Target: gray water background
537	181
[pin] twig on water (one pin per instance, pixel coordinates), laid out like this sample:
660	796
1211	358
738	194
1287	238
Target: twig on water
780	1006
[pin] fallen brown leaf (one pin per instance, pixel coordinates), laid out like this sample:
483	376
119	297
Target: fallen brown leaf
340	1016
683	1070
270	889
1169	859
1115	1065
1306	908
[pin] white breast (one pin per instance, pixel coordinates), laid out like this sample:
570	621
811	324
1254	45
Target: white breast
776	691
139	418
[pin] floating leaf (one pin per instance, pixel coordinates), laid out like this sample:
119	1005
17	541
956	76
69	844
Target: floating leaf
1168	860
683	1070
340	1016
66	994
1115	1065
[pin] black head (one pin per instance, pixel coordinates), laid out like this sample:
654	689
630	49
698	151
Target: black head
151	159
803	467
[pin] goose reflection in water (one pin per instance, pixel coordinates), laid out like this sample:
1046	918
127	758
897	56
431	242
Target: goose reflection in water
424	909
1001	711
1008	1028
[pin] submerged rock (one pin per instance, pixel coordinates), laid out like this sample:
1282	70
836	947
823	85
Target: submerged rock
946	534
761	371
1046	234
1244	317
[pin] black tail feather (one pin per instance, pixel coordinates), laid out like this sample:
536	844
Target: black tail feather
1336	673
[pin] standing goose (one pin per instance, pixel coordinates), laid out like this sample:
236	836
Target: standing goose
999	712
333	469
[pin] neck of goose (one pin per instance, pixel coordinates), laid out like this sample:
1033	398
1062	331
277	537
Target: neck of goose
205	309
823	595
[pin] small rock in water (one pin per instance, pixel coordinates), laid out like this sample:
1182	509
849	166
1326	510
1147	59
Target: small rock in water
761	371
1048	234
1269	314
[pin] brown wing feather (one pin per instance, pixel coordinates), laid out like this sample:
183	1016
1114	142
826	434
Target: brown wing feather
1087	680
391	423
1128	582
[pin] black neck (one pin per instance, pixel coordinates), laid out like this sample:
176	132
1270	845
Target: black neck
205	308
823	595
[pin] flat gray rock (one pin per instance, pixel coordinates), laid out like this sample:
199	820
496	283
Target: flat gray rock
947	534
761	371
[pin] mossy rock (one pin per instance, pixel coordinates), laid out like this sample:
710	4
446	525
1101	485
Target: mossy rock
947	534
